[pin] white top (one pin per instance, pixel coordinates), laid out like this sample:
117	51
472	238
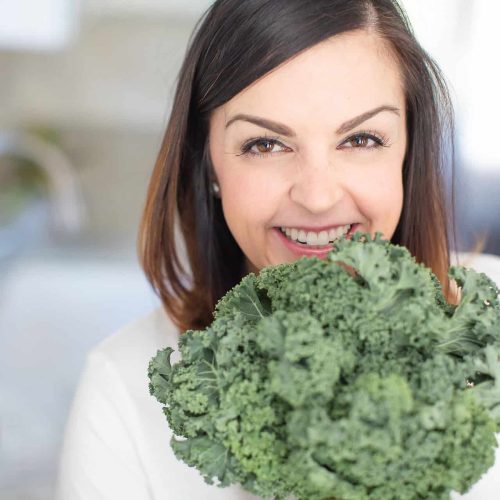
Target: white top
116	444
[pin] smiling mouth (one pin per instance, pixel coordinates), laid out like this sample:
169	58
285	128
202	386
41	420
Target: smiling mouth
309	240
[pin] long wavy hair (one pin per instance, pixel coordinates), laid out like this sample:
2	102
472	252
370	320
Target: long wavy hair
233	44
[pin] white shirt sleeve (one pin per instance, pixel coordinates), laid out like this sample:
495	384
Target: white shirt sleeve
99	458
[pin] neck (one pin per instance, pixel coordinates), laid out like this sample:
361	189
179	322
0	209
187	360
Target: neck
250	268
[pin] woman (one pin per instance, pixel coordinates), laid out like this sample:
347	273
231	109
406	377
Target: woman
291	121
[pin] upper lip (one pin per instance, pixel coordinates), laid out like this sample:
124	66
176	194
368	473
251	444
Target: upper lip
318	229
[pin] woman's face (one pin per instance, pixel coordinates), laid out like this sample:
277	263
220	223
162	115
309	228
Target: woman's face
311	154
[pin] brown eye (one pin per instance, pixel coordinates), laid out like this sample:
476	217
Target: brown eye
262	147
359	140
265	146
362	142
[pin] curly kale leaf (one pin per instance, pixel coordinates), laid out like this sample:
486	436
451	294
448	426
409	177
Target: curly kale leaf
349	377
475	322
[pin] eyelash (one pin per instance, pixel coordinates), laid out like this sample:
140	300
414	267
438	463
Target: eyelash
380	141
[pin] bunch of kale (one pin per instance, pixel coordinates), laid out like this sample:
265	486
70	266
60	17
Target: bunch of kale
319	382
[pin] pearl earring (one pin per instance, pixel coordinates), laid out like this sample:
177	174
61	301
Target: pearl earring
216	189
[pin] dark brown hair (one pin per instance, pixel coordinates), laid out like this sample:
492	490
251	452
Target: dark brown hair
234	43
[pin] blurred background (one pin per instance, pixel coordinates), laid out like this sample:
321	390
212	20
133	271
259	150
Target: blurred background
85	93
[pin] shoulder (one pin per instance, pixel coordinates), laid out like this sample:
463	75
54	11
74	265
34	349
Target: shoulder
115	373
106	449
152	330
127	351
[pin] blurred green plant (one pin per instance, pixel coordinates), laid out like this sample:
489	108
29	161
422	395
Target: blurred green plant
22	181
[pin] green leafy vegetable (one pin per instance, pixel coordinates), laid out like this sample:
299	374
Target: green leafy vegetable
320	382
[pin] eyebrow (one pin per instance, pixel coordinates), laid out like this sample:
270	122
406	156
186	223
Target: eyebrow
282	129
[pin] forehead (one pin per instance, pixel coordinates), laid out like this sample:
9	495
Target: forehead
351	72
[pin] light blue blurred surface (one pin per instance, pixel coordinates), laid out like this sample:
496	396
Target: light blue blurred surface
61	292
52	311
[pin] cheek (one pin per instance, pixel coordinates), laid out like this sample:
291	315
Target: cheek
247	203
380	196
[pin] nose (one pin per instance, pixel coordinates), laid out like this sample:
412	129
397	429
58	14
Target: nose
318	186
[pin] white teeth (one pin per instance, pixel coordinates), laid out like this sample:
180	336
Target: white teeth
312	238
316	239
322	238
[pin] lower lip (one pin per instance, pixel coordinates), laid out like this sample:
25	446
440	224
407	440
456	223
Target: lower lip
301	249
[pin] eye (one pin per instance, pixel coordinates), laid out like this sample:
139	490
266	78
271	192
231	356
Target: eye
263	147
360	141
